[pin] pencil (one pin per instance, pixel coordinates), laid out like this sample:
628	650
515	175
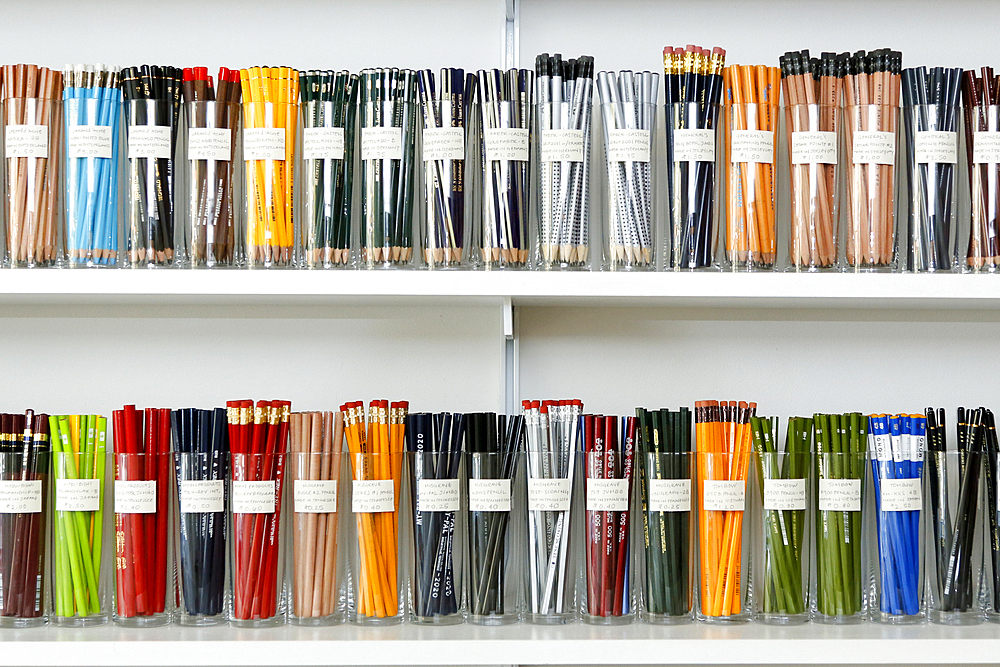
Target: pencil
980	95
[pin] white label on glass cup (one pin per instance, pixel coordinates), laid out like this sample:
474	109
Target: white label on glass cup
900	495
26	141
151	141
874	147
381	143
753	146
438	495
694	145
263	143
135	497
210	143
723	495
489	495
784	494
986	147
88	141
840	495
21	496
815	147
607	495
669	495
510	143
202	495
444	143
548	495
373	495
322	143
933	146
628	145
256	497
315	496
78	495
562	146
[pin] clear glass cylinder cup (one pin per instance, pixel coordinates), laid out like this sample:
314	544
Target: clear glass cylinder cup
563	174
143	593
378	563
328	171
79	538
751	137
692	131
839	591
723	538
24	539
555	529
931	176
201	550
814	140
443	183
318	594
991	509
496	488
257	571
151	140
91	178
955	501
666	562
982	253
213	237
33	152
269	136
782	541
870	221
501	238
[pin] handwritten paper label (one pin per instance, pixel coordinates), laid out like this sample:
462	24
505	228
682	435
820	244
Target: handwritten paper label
17	496
628	145
724	495
936	147
26	141
874	147
840	495
506	143
322	143
489	495
607	495
694	145
255	497
198	496
548	495
562	146
210	143
900	495
315	496
784	494
444	143
986	147
669	495
373	495
814	147
135	497
753	146
149	141
88	141
78	495
381	143
438	495
263	143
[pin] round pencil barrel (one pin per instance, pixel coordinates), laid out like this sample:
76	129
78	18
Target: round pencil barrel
24	543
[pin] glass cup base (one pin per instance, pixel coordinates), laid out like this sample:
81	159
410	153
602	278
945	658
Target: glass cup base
897	619
491	619
151	621
22	622
724	620
624	619
358	619
316	621
270	622
450	619
80	621
549	619
954	617
665	619
854	619
993	616
196	621
781	619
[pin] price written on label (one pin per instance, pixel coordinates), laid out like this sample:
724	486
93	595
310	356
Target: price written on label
373	495
562	146
548	495
202	496
694	145
506	143
135	497
900	495
210	143
257	497
724	495
489	495
935	147
840	495
752	146
669	495
438	495
443	143
986	147
814	147
607	495
315	496
323	143
26	141
88	141
628	145
21	496
150	141
263	143
784	494
78	495
874	147
381	143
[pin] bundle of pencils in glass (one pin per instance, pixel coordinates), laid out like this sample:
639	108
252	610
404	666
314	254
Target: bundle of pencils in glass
723	440
563	94
628	109
693	90
505	104
32	118
24	470
751	94
329	111
388	117
91	109
152	116
142	470
980	99
79	456
270	117
375	439
213	117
